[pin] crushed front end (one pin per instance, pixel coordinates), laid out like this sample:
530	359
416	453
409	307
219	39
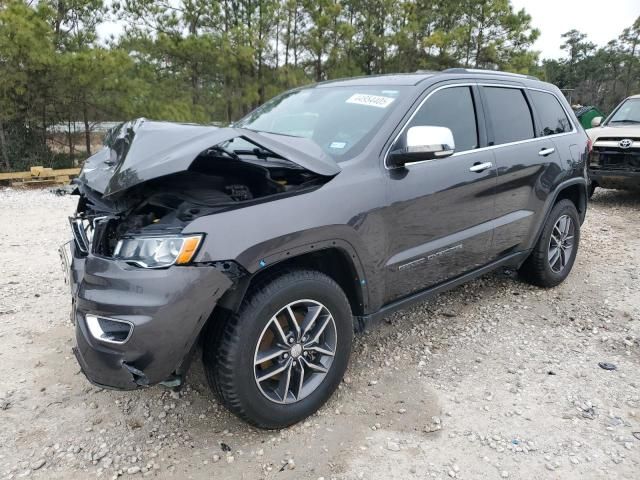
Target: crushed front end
135	326
141	294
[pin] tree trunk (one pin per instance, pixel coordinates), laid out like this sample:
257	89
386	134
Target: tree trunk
295	38
319	66
70	140
87	132
288	38
3	149
632	56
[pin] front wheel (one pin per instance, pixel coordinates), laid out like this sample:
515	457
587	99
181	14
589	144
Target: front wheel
552	258
284	353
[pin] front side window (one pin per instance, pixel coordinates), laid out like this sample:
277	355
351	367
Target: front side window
553	118
453	108
509	114
341	119
628	112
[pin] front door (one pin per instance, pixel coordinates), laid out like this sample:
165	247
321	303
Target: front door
440	211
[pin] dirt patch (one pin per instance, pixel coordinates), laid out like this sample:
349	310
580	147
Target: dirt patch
496	379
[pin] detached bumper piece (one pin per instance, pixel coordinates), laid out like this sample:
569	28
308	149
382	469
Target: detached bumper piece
135	327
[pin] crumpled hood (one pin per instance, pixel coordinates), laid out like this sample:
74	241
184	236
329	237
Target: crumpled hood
141	150
621	131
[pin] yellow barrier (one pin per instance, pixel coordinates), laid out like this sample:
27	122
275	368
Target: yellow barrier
41	173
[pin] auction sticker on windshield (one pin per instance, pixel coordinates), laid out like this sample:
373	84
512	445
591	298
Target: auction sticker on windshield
370	100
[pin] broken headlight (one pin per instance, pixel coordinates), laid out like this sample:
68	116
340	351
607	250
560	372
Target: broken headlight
158	251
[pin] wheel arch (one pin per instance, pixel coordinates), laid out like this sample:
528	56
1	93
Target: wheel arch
577	193
575	190
337	262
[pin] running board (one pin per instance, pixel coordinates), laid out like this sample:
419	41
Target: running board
365	322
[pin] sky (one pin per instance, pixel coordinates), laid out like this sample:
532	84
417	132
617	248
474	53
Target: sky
601	20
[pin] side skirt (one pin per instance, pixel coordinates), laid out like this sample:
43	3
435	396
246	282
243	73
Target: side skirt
365	322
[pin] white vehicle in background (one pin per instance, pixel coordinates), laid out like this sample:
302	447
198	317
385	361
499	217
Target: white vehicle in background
615	158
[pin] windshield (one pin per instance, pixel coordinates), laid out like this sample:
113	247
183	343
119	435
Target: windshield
339	119
629	112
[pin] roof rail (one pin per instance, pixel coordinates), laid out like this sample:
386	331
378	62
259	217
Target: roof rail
488	72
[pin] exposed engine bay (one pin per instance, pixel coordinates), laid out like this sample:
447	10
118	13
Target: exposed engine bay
219	178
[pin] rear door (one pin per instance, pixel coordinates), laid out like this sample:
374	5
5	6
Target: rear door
440	211
527	166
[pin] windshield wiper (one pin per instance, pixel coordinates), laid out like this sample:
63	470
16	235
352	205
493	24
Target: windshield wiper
272	133
625	121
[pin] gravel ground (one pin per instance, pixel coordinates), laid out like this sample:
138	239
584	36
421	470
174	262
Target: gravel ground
495	379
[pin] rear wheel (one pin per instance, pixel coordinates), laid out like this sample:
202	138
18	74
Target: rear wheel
553	256
284	353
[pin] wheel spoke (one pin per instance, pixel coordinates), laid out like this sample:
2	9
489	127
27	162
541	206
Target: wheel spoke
567	253
273	371
294	321
320	349
318	333
310	318
557	232
553	255
300	381
314	366
562	223
279	331
267	355
285	382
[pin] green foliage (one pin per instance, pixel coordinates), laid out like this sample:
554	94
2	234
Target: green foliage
598	76
213	61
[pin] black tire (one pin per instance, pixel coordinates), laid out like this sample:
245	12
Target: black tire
592	188
229	351
537	268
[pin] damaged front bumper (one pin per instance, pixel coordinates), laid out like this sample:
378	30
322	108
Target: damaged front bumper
164	308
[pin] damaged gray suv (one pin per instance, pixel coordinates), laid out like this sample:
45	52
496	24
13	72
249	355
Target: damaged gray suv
268	243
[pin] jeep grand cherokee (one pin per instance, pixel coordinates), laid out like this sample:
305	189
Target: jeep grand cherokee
271	241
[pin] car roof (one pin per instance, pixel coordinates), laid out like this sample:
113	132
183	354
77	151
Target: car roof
635	96
412	79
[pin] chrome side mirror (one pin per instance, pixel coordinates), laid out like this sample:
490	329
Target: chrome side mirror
596	121
422	143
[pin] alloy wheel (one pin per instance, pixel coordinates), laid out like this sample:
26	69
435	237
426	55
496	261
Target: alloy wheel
295	351
561	243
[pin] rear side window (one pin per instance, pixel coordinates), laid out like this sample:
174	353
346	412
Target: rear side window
509	114
453	108
553	119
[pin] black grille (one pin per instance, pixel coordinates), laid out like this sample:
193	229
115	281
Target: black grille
79	228
616	159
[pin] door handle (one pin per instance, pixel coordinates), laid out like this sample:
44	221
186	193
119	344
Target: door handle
480	167
546	151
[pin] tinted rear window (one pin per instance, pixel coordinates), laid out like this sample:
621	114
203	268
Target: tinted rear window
509	114
553	118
